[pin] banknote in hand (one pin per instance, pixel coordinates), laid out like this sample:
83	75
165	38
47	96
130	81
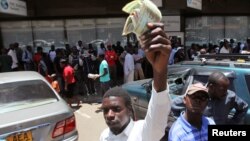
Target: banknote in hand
140	13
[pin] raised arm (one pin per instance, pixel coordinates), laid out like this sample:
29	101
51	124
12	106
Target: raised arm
157	49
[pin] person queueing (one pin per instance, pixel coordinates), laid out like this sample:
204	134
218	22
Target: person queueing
54	83
104	75
69	80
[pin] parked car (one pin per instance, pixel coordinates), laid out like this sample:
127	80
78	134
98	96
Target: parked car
181	75
42	43
30	109
97	45
46	44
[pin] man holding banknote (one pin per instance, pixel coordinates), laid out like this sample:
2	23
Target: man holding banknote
116	104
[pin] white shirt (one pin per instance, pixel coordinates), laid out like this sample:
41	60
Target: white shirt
129	64
136	58
224	50
12	53
100	51
52	55
152	128
79	48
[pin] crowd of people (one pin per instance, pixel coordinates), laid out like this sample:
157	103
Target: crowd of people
75	70
114	65
225	46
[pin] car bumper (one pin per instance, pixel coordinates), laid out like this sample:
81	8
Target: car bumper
72	138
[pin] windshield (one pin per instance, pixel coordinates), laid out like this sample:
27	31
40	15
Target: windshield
18	95
175	88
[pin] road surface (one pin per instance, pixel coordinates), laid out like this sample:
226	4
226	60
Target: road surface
90	122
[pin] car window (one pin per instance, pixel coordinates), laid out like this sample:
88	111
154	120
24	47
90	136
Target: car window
200	78
248	81
174	86
203	79
25	92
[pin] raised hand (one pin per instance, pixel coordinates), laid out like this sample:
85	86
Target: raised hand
157	46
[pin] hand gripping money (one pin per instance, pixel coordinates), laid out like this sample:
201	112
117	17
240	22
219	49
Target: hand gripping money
141	12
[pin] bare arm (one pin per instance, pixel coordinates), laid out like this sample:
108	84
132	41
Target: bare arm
157	49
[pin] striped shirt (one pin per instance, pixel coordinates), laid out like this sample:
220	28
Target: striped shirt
182	130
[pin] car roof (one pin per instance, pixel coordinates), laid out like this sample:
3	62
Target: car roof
7	77
199	70
206	71
232	60
218	63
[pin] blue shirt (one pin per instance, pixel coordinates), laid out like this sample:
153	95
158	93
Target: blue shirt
218	109
182	130
171	58
104	65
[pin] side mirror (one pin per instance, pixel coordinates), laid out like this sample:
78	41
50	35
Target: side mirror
178	81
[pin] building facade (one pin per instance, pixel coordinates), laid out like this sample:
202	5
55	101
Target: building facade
57	21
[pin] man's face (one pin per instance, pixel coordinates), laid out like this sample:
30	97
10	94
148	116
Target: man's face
196	102
62	65
80	43
74	50
29	48
219	90
116	114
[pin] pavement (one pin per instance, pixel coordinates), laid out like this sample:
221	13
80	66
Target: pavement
89	99
89	121
92	99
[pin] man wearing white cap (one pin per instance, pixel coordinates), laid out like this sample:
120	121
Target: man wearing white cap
192	124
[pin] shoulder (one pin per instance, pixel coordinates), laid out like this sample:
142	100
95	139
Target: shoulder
70	56
176	130
209	121
231	96
177	126
139	122
104	134
104	62
68	68
231	93
136	128
10	52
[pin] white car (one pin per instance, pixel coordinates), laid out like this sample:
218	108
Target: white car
31	110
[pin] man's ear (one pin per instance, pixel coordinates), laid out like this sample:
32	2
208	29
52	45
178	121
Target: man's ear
210	86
